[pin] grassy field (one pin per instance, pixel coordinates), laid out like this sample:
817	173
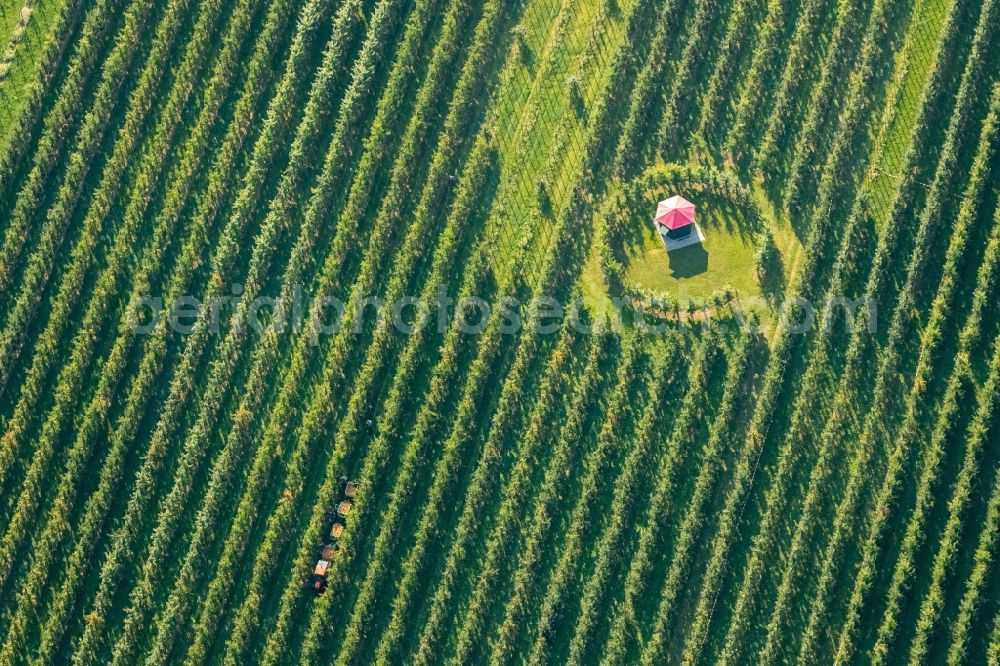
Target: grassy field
215	448
24	53
724	260
912	70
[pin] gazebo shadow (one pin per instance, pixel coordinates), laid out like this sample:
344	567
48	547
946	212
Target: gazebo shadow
688	261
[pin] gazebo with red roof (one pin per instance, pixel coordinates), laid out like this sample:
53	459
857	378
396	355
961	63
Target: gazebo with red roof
674	217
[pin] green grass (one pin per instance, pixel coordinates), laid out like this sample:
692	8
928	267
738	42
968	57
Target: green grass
8	19
912	70
788	242
724	260
540	133
695	271
27	55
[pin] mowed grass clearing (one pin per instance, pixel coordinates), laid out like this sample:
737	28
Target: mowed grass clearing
724	260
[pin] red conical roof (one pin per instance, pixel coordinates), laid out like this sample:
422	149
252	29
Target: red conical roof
675	212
